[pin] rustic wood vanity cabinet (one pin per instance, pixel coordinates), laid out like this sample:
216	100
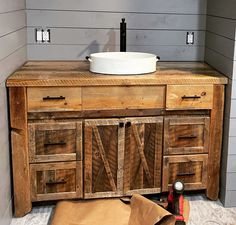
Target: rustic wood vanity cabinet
76	134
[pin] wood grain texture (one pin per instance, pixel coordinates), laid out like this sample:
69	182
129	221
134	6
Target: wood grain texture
21	177
182	97
190	169
141	97
77	74
216	127
20	155
58	141
54	99
54	181
103	158
143	157
186	135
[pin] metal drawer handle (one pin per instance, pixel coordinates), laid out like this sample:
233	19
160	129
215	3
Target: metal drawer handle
48	98
55	143
187	137
121	124
185	174
185	97
56	182
128	124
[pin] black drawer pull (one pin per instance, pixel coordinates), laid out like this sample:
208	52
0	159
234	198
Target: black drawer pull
48	98
128	124
185	174
56	182
185	97
187	137
121	124
55	143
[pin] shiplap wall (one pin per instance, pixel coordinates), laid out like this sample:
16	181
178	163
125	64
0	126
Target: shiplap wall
12	55
221	54
81	27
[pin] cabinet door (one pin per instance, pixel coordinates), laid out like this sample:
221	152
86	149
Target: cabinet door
143	155
104	153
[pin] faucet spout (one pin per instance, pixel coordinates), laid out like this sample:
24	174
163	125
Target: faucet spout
123	35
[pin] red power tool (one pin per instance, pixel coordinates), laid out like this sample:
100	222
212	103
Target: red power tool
176	202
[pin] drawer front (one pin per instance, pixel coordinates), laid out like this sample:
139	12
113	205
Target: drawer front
54	99
189	97
133	97
61	141
53	181
186	135
191	169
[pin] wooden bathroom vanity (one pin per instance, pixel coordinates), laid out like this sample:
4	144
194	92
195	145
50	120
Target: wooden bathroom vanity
80	135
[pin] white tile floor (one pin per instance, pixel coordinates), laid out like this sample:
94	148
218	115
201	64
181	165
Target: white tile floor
202	212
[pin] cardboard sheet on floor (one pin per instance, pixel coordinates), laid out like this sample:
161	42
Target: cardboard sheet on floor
140	211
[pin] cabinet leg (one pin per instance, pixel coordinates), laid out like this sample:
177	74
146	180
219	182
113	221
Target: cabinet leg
22	210
216	127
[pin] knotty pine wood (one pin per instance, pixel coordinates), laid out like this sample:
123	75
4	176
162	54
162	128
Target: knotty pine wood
186	135
76	73
55	141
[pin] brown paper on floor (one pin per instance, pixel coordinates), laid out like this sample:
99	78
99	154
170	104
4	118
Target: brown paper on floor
141	211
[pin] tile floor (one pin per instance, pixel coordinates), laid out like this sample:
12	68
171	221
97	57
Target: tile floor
202	212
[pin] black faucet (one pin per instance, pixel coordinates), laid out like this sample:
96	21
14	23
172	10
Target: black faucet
123	35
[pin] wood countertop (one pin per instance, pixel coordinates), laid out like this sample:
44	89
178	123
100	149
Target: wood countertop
76	73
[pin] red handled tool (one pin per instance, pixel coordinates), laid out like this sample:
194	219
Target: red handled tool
176	202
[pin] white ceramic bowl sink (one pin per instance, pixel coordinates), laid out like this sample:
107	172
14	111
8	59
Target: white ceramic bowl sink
122	63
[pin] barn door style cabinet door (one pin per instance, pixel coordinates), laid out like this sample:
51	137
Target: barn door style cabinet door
122	156
103	162
143	155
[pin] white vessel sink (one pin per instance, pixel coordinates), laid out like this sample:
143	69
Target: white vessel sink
122	63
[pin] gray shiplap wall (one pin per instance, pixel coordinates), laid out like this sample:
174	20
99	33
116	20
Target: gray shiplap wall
220	53
79	28
12	55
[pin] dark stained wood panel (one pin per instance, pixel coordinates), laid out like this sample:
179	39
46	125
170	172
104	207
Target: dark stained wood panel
103	158
190	169
143	158
186	135
52	181
55	141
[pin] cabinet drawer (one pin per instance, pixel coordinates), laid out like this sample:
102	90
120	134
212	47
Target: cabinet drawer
190	169
186	135
53	181
189	97
61	141
131	97
54	99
